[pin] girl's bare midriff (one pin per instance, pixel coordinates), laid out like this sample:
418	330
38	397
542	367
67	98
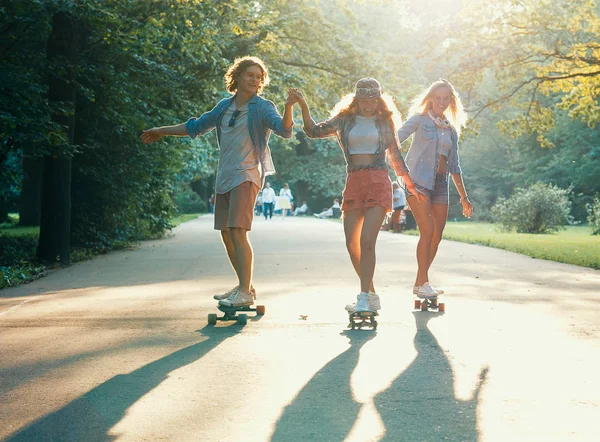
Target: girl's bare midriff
362	159
442	165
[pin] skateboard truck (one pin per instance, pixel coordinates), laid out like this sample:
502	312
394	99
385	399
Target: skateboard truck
230	314
363	319
429	303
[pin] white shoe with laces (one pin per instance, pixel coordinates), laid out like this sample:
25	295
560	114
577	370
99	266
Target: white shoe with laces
238	299
417	287
228	293
373	301
427	292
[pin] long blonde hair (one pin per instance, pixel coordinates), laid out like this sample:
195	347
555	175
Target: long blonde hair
386	109
421	104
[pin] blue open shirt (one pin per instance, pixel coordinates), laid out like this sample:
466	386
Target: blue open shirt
422	157
262	119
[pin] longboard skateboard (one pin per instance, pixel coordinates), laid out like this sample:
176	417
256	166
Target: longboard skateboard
363	319
230	314
429	303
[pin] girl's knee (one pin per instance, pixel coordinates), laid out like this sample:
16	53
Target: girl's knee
367	245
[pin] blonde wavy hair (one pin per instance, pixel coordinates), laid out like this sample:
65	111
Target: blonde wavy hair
422	104
239	66
386	109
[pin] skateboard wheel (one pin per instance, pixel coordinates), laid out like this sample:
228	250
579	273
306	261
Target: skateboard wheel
260	310
242	319
442	307
424	306
374	325
212	319
417	304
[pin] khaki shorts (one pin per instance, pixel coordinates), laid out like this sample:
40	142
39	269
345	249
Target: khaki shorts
236	207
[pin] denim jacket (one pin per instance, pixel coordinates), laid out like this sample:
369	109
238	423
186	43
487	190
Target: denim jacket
262	119
422	157
341	125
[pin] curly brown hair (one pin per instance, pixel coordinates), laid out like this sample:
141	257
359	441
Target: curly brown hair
238	67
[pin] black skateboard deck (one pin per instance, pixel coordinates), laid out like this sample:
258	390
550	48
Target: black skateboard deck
363	319
231	314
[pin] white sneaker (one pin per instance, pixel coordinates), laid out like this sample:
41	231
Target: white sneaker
373	301
238	299
417	287
426	291
228	293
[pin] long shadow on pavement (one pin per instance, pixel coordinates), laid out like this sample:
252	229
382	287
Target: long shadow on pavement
325	409
91	416
420	405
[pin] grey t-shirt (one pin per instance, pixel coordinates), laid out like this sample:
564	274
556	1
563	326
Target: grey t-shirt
238	159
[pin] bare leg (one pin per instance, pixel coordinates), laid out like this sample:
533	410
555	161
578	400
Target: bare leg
244	256
353	224
423	216
228	242
374	216
440	215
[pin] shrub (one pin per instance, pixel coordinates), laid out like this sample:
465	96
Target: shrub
542	208
188	201
593	211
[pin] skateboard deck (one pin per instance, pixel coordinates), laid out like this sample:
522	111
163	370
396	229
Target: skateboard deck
429	303
362	319
231	314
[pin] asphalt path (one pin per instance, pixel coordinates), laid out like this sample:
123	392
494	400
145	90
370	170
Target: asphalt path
119	348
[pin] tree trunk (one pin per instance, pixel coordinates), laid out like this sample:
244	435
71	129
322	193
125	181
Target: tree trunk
55	221
31	192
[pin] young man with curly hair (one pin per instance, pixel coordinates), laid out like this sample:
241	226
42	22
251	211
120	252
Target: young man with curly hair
244	123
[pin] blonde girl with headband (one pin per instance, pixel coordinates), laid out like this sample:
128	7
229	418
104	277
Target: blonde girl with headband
365	124
436	119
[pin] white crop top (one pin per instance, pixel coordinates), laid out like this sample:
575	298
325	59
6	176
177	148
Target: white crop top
364	136
445	142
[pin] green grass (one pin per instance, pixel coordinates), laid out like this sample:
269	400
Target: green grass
184	218
12	229
575	245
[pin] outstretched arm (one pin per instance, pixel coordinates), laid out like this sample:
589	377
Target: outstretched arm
156	133
311	129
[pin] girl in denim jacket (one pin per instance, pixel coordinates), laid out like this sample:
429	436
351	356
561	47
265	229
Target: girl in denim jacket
436	121
364	125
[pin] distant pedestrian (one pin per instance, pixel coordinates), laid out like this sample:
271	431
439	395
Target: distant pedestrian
329	213
398	204
268	200
285	200
211	202
301	210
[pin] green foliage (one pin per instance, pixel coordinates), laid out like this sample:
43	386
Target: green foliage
594	215
188	201
541	208
17	260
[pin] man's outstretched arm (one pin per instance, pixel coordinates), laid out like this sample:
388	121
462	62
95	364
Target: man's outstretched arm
156	133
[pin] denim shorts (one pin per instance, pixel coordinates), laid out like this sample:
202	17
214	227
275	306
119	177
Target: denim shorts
439	195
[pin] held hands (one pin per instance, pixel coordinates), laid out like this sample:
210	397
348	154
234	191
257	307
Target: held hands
467	207
291	98
151	135
297	95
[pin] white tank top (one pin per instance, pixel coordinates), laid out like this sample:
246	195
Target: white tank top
364	136
445	141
